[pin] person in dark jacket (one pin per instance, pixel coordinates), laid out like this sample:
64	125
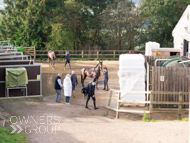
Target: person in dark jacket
67	59
91	93
105	79
74	82
58	87
94	78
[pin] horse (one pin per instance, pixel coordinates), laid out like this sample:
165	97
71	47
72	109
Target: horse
51	57
91	72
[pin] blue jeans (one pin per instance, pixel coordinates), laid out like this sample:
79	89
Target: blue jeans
59	95
67	98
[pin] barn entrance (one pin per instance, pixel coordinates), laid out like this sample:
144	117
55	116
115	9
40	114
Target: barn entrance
185	48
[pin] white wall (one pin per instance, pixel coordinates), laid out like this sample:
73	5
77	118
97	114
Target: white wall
181	30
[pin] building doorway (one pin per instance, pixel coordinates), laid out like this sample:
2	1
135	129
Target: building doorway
185	48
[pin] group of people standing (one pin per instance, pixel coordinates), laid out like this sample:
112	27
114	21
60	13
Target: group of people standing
69	84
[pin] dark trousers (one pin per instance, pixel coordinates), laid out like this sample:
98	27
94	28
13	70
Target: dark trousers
67	98
88	98
94	101
73	86
105	83
67	61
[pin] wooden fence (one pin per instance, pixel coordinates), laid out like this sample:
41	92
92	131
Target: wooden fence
179	110
166	79
170	79
86	54
150	63
30	51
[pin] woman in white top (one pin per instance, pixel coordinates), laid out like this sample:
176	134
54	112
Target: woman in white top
67	88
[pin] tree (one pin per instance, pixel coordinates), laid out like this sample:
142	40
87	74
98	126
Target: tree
12	21
64	27
124	22
92	15
180	6
26	22
79	25
162	15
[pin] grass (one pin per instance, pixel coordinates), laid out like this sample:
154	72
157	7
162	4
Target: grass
19	100
125	119
12	100
146	119
7	137
183	120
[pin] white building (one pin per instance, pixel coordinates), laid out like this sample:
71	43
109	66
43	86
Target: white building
181	33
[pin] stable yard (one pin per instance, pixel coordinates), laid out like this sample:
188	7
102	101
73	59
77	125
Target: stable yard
78	124
49	74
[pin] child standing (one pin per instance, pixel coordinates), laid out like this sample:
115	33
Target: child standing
67	88
105	79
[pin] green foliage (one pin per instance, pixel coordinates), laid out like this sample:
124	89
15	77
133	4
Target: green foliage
89	25
1	26
123	22
162	15
144	118
64	31
7	137
23	22
185	119
0	18
180	6
60	38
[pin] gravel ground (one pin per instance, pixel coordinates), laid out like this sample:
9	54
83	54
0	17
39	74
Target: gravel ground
73	123
77	124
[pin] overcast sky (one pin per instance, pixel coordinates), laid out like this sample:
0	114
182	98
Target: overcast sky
1	2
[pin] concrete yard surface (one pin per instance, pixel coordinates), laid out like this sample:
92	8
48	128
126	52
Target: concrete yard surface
51	122
77	124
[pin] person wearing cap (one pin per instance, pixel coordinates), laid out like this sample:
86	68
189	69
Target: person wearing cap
74	82
91	93
58	87
105	79
67	88
67	59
